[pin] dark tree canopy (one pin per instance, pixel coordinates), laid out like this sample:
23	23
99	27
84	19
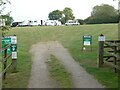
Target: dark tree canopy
8	19
55	15
63	16
103	14
68	13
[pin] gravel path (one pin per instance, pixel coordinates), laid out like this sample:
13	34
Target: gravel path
40	77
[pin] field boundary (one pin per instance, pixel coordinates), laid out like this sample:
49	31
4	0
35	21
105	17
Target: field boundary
109	53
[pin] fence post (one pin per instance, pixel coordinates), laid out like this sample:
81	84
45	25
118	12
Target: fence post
115	58
14	64
101	40
5	63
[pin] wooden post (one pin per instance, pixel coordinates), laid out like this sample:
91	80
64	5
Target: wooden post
14	65
101	46
5	63
115	58
101	40
14	52
119	44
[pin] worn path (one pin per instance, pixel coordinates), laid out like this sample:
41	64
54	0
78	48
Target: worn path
40	77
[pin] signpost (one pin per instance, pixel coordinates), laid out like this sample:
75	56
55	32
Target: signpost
14	52
87	41
101	40
13	49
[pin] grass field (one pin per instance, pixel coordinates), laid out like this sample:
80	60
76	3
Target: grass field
71	38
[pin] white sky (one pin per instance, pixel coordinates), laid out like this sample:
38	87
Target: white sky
39	9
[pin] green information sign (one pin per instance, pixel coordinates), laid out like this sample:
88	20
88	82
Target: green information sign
5	41
14	47
87	40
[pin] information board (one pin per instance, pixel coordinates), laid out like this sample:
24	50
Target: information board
87	40
13	49
5	41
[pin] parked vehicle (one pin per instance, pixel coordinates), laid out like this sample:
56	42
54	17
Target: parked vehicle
15	24
52	23
72	22
36	23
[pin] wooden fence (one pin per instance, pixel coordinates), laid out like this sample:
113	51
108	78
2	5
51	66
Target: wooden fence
109	53
7	56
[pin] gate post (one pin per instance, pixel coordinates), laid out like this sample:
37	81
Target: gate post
115	58
101	40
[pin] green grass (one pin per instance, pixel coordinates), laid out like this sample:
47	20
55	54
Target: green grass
71	38
0	67
58	73
0	61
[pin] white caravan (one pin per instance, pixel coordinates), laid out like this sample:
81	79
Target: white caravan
72	22
52	23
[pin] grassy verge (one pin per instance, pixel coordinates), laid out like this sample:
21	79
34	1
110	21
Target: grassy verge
58	72
0	67
71	38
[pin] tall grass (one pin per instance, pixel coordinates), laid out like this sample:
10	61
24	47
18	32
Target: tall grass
58	72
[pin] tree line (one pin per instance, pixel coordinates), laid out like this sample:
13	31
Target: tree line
63	16
100	14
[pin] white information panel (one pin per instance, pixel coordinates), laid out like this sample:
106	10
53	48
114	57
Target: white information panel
86	42
14	55
13	40
101	38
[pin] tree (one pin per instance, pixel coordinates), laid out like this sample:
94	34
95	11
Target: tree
81	21
68	14
2	7
63	16
8	19
103	14
55	15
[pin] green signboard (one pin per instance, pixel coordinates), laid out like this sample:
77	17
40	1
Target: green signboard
5	41
87	40
14	47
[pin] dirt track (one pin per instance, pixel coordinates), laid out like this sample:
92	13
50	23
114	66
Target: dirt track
40	77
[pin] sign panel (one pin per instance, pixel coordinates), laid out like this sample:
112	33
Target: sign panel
5	41
101	38
10	40
13	39
87	40
14	55
14	47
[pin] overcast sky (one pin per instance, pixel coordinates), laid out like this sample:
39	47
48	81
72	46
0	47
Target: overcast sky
39	9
